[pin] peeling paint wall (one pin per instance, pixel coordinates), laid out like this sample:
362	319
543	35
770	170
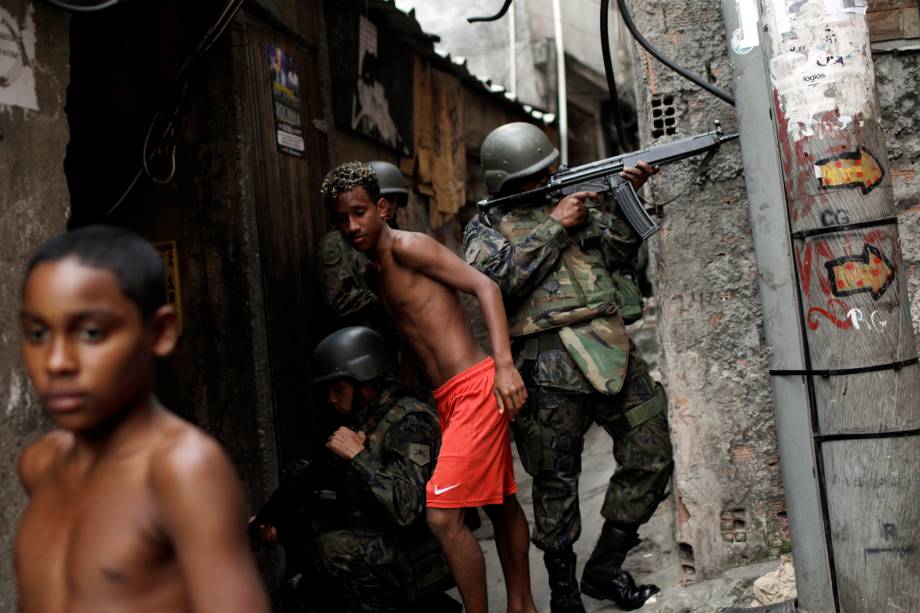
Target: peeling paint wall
33	207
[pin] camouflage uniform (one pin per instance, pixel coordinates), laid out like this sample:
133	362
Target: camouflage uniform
386	556
342	270
566	300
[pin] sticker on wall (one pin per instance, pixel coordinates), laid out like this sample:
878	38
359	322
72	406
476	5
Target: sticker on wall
167	250
17	60
286	99
746	37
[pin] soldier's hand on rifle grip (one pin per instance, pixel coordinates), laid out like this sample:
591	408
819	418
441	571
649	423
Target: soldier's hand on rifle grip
346	443
572	210
639	174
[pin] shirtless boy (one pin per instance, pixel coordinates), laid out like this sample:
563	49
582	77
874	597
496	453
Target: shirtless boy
131	508
418	279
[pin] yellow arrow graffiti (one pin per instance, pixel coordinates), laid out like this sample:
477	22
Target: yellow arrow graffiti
853	169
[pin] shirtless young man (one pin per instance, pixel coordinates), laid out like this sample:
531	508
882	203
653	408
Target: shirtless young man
131	508
418	279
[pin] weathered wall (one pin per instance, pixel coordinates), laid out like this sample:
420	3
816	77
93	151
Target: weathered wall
897	78
33	207
729	503
728	494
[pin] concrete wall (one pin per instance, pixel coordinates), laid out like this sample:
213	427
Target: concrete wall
33	207
897	78
728	495
729	503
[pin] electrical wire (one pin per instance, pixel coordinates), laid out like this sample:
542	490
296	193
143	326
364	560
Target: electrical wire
631	26
162	142
79	8
622	140
495	17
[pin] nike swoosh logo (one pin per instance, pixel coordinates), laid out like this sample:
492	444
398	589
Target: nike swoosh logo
438	491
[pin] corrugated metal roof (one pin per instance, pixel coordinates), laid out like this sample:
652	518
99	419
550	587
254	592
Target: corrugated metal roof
409	30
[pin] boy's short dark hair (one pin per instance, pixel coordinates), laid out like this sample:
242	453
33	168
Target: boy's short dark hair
133	260
346	177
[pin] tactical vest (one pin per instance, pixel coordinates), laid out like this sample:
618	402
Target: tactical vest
579	288
424	567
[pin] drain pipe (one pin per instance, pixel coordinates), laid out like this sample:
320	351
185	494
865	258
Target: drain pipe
560	86
512	35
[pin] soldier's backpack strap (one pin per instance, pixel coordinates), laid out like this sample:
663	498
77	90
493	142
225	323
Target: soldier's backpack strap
397	413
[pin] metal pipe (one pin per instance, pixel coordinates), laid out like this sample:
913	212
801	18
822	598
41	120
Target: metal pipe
560	86
512	34
763	175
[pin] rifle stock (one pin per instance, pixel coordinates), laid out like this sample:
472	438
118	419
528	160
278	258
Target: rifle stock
602	176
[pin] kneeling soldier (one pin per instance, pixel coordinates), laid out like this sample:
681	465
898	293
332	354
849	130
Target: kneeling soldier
386	558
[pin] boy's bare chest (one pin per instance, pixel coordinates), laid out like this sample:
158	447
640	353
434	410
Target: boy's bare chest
80	542
402	289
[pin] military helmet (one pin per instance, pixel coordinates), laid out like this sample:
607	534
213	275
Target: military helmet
514	151
356	353
390	178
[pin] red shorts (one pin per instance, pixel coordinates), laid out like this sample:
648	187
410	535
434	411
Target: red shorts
474	467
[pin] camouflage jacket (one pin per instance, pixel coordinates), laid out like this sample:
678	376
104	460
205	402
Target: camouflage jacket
385	483
572	359
342	270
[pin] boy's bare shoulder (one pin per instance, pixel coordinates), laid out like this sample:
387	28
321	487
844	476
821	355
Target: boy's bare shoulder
38	459
184	449
189	464
410	245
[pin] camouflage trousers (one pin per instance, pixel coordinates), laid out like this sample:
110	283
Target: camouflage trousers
365	570
643	456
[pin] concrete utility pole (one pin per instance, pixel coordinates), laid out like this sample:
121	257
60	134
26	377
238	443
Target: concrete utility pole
836	309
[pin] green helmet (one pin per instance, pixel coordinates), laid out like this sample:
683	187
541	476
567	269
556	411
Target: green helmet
514	151
356	353
391	180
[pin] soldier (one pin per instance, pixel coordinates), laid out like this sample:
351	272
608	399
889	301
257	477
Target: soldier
342	268
385	558
560	268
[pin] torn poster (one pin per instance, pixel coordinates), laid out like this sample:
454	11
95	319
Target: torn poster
17	60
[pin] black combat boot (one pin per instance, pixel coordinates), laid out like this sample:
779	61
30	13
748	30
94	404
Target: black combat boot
604	577
565	597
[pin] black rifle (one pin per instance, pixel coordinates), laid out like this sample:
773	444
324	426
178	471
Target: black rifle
304	486
603	176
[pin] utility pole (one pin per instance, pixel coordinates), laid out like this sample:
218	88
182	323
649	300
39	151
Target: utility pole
836	309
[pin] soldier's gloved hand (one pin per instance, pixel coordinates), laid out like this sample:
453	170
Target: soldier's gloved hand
572	210
346	443
639	174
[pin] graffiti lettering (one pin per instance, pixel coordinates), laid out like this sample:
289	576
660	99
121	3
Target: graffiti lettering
859	321
889	531
813	313
834	218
